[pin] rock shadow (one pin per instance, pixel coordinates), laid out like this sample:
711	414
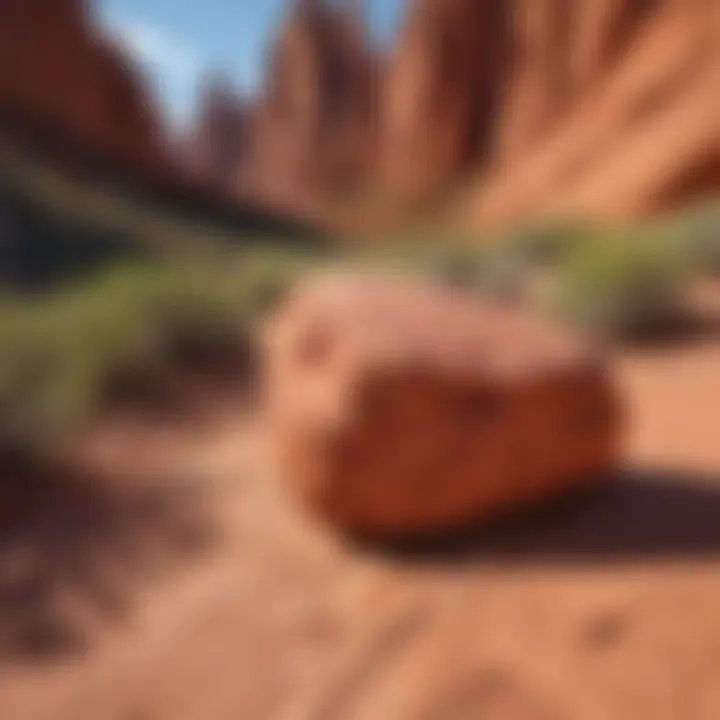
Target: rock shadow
74	553
637	515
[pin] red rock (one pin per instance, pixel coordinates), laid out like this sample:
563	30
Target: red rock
442	93
602	107
530	107
400	408
218	147
56	67
314	127
614	116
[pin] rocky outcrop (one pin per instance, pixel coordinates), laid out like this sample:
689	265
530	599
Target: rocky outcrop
55	67
217	150
400	408
444	86
514	108
313	130
557	106
633	124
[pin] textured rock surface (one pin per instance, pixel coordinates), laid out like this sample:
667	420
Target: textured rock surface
56	68
611	110
443	90
314	129
217	150
514	107
399	407
557	106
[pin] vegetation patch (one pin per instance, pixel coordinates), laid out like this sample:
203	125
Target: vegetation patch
62	352
620	286
71	340
697	233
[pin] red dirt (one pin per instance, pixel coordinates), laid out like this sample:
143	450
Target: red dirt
603	606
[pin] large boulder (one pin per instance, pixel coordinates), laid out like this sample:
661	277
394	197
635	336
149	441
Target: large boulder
400	408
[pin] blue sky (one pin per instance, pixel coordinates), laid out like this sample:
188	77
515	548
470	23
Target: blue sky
178	41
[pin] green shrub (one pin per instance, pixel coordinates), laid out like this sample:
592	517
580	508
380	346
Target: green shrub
620	286
697	233
455	266
545	243
59	353
259	280
487	269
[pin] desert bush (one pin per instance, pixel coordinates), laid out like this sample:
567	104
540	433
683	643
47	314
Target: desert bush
447	260
621	285
59	353
498	268
457	266
697	233
503	276
545	243
259	280
490	269
485	268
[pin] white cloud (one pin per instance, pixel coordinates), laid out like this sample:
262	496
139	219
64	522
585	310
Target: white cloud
157	50
173	66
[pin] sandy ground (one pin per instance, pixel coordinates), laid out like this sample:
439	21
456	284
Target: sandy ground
227	604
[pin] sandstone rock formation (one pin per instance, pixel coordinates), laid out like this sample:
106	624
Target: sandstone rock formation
512	108
618	115
313	130
444	85
55	67
557	106
401	408
217	151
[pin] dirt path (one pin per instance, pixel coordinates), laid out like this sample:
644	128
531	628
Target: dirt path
604	607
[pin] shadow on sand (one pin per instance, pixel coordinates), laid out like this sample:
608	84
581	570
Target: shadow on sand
73	554
689	329
638	515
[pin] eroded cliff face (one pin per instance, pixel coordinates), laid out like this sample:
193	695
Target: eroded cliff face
56	67
631	126
513	108
216	152
313	130
556	106
443	89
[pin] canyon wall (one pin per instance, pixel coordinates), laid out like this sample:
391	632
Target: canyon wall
314	126
617	115
509	108
217	149
56	68
444	84
556	106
